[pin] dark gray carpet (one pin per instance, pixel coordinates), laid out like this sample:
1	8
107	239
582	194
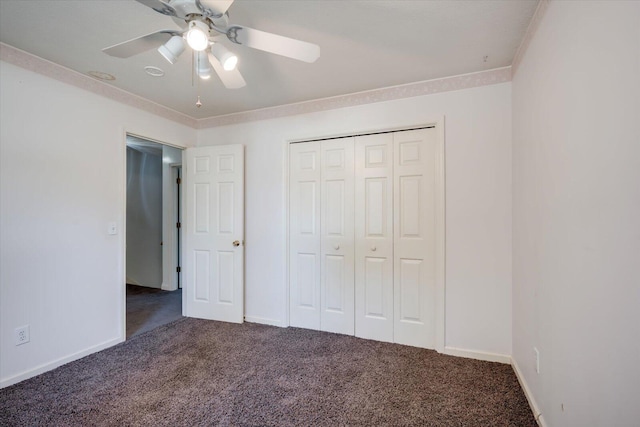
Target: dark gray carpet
148	308
201	373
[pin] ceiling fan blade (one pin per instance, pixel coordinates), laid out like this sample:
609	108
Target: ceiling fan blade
217	7
231	79
140	44
273	43
159	6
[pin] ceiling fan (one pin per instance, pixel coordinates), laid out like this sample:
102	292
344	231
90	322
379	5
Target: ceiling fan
205	23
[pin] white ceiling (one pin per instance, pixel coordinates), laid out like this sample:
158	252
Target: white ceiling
364	45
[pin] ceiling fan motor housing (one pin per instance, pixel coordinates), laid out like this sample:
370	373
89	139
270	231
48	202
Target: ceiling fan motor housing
184	8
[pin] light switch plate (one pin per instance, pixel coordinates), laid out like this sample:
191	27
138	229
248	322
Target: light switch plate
113	228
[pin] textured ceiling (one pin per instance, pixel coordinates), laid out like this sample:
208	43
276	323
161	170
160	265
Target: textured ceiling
364	45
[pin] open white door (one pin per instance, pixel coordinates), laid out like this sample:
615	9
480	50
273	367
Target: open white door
213	227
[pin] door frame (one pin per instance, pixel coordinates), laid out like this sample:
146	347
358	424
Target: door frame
123	229
176	215
437	122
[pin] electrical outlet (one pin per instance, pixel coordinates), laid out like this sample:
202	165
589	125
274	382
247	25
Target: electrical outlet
537	353
22	335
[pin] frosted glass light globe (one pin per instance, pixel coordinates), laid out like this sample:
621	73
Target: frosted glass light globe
198	36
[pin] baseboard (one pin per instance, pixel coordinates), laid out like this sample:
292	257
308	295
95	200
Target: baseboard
478	355
56	363
527	392
263	321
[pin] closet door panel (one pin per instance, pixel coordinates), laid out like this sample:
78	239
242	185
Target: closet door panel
414	237
374	237
304	235
337	270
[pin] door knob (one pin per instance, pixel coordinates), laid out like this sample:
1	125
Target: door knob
236	243
373	248
336	247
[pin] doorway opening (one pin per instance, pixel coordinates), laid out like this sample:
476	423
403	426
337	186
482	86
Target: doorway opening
153	228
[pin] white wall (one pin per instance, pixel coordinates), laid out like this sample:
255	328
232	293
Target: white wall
478	192
144	218
576	162
62	166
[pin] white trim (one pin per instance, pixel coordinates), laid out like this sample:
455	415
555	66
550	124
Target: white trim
285	179
170	240
433	121
478	355
527	392
41	66
421	88
528	35
40	369
441	231
179	146
438	123
66	75
264	321
123	238
183	215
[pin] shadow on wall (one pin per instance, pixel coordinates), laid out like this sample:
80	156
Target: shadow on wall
144	216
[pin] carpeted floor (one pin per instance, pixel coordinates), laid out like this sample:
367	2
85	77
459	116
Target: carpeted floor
202	373
148	308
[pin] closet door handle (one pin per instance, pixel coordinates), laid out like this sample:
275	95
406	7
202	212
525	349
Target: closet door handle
336	247
236	243
373	248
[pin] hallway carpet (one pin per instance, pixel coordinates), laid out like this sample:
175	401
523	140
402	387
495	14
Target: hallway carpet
202	373
148	308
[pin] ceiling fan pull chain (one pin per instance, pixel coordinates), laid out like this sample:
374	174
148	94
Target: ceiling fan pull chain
193	68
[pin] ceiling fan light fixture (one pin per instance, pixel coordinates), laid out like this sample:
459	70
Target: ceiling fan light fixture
227	59
172	49
203	67
198	35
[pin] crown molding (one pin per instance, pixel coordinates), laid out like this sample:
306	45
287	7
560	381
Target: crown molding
63	74
47	68
426	87
528	35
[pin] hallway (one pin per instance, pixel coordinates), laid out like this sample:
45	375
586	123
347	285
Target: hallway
148	308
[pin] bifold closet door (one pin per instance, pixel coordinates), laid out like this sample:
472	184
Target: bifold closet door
321	235
374	237
414	192
336	225
304	235
363	238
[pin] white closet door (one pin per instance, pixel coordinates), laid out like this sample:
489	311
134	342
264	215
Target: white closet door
336	277
415	237
304	232
374	237
213	258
